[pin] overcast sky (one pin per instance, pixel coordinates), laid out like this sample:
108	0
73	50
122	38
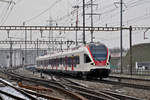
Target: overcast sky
37	12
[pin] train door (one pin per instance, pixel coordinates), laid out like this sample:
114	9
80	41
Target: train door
81	65
84	62
87	62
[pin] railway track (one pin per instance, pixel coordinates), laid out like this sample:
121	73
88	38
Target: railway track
136	86
113	93
1	98
48	84
123	84
83	90
90	94
29	96
128	78
84	93
70	86
109	94
10	95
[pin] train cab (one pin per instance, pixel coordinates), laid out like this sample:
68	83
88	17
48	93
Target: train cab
99	56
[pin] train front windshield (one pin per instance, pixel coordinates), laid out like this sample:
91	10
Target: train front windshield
99	52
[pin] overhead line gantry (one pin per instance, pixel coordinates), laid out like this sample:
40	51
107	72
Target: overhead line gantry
59	28
38	42
68	28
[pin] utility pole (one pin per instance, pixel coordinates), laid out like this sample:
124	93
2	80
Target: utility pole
121	20
91	15
50	22
77	18
91	21
130	30
84	42
25	52
61	45
11	52
15	65
37	48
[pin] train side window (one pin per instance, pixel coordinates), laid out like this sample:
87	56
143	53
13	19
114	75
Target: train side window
59	60
64	61
86	58
69	61
77	60
46	62
49	61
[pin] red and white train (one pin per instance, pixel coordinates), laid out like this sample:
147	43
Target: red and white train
90	60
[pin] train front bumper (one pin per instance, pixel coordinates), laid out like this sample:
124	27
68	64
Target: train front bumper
102	73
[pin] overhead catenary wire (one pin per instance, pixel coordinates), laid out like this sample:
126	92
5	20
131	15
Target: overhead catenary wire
70	18
132	20
6	17
134	5
6	13
41	13
129	6
72	12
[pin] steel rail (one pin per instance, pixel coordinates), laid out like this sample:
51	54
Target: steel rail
38	94
47	84
128	78
85	91
11	95
120	96
91	95
136	86
91	92
112	93
1	98
41	95
24	93
56	87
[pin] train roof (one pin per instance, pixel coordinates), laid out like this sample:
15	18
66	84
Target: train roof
63	53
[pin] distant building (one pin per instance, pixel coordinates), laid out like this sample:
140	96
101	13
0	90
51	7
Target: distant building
18	57
118	54
143	65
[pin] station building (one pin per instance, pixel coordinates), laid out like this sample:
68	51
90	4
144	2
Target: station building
18	57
